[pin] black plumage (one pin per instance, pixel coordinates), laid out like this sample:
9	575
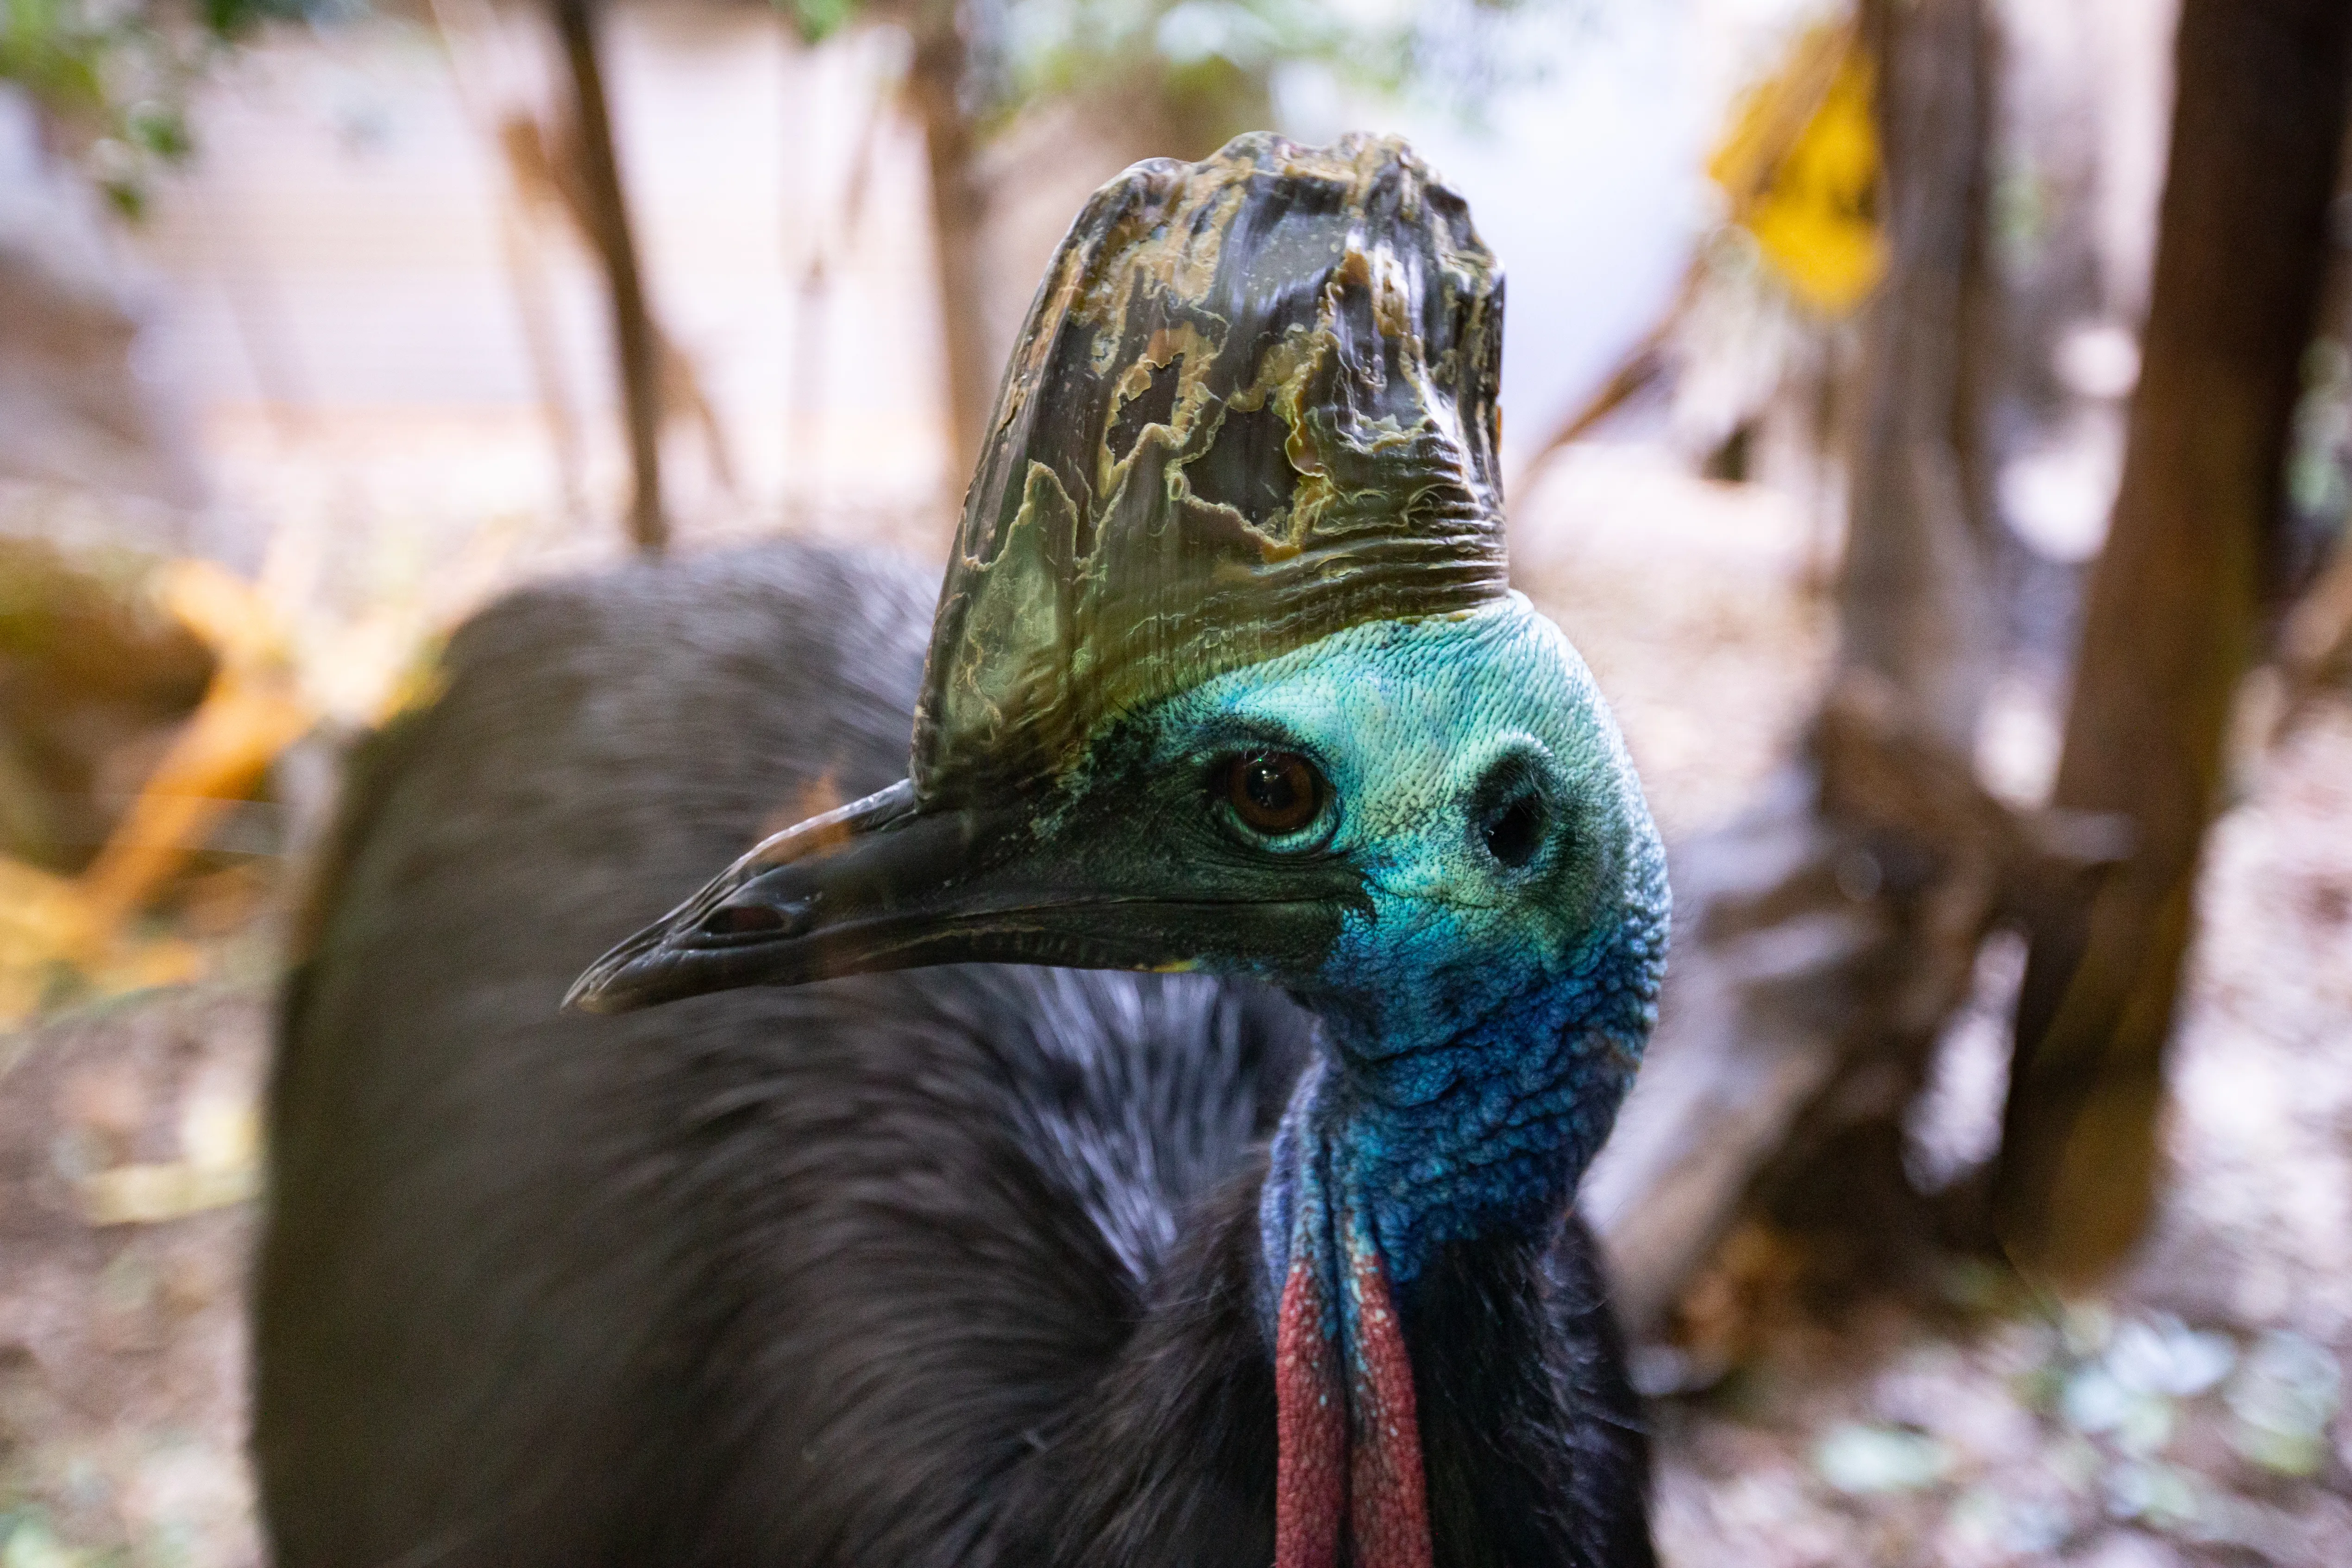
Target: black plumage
946	1265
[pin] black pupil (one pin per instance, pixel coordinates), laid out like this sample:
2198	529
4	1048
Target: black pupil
1514	833
1275	791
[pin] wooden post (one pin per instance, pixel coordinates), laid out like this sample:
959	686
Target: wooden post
632	331
2173	610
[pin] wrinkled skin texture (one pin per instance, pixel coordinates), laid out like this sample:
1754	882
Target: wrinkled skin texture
1484	1008
1475	1006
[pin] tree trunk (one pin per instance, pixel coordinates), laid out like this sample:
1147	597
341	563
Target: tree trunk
616	247
1915	596
985	208
938	84
2174	609
1823	937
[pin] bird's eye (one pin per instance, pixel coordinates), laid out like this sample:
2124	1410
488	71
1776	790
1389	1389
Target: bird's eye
1274	793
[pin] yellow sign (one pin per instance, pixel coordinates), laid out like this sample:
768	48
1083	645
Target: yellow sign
1801	168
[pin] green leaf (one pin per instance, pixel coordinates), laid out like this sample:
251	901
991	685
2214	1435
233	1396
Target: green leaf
160	129
817	20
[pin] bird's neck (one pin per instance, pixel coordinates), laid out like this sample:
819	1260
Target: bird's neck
1445	1115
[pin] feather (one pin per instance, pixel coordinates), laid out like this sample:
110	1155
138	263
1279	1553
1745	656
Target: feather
956	1265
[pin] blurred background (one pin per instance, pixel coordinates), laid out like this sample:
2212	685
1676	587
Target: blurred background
1932	418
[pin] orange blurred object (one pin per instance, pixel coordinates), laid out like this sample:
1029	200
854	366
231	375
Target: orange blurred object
251	711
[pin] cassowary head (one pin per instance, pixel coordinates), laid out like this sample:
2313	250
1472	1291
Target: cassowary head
1226	673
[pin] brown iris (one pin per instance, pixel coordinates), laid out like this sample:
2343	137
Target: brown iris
1274	793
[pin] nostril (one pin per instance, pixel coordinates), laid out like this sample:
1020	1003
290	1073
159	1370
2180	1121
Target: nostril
1516	832
743	920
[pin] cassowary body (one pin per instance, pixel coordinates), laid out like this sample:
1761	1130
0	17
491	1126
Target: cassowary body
1265	1257
947	1266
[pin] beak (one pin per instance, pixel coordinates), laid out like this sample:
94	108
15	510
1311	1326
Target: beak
883	883
861	887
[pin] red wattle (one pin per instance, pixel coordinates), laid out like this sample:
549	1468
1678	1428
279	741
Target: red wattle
1350	1446
1388	1500
1310	1429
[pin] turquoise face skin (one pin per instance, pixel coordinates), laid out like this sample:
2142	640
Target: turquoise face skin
1487	1008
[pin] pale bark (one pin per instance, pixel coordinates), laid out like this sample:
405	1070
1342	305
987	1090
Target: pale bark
1915	596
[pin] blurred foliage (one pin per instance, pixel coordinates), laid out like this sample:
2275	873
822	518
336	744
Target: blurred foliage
817	20
114	76
1215	62
1210	64
2318	486
2318	468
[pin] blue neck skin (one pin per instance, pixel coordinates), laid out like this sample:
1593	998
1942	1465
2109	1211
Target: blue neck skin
1483	1010
1476	1112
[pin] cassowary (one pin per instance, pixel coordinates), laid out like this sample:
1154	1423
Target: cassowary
1143	1131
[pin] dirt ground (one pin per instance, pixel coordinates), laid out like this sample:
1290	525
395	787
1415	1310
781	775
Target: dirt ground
2192	1413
